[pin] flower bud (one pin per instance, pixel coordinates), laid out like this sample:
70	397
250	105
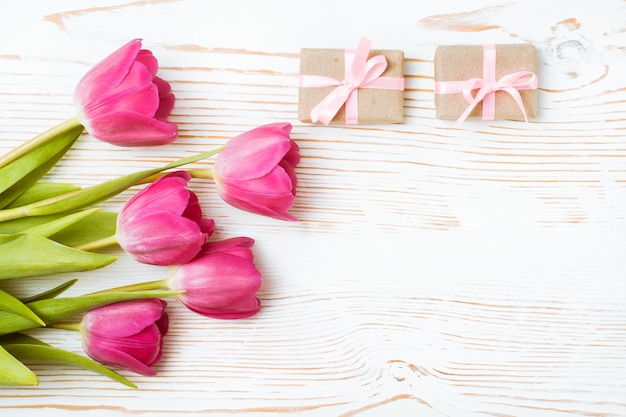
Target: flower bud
163	224
128	335
256	171
122	101
221	282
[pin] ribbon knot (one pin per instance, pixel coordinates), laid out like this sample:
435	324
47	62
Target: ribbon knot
360	72
487	86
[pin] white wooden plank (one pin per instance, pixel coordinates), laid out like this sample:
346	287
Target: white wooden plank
435	270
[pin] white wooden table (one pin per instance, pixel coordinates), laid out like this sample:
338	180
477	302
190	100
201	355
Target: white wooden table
435	270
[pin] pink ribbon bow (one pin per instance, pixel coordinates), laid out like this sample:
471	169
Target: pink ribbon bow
360	72
488	85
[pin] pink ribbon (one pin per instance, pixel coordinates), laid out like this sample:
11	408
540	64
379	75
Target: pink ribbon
488	85
360	72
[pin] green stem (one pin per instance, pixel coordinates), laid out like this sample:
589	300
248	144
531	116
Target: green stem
98	244
143	286
201	173
66	326
38	140
195	173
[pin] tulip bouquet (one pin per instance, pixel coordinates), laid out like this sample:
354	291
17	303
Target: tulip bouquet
49	228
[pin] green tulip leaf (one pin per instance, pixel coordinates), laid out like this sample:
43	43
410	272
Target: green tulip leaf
17	188
55	310
42	190
25	223
26	348
11	304
13	372
38	140
24	255
24	171
99	225
54	292
96	225
20	339
50	228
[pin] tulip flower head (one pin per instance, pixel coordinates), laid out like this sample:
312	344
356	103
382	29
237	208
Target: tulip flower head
122	101
221	282
128	335
256	171
163	224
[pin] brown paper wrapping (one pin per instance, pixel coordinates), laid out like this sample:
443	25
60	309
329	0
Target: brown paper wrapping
374	105
462	62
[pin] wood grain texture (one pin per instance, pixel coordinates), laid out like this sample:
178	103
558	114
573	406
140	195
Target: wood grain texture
435	270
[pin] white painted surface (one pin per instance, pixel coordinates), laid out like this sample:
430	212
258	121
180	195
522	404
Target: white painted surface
435	271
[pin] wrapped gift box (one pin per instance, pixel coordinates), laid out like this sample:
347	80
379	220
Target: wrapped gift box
374	105
454	63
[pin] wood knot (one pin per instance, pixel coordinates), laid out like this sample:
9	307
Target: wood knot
570	51
404	372
567	47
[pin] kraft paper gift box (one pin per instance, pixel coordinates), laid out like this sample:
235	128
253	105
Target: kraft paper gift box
457	65
323	70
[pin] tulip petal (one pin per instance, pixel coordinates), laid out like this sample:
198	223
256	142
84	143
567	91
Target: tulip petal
121	100
163	223
292	157
143	100
242	312
221	281
127	128
253	154
207	226
166	104
284	126
111	356
275	183
255	172
165	89
163	323
138	76
178	242
137	313
146	57
271	196
271	207
167	192
107	74
166	98
193	211
291	173
227	244
217	280
157	358
237	246
128	335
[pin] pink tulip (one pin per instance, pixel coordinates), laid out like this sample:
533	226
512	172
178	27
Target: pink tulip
128	335
163	224
255	172
221	282
122	101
